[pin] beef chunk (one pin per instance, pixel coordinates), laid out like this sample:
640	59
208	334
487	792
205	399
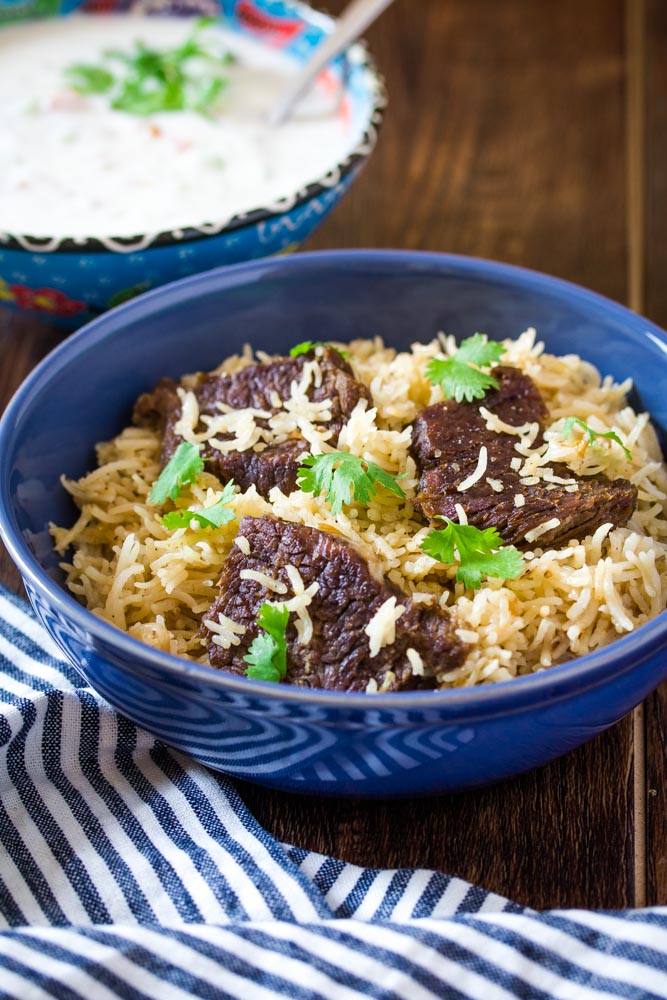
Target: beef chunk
446	443
337	656
254	387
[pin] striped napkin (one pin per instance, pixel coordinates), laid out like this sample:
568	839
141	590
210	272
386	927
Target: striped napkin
127	870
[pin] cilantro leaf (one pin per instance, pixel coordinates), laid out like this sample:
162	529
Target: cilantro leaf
267	655
89	79
457	376
182	468
341	477
205	94
479	553
306	346
208	517
459	381
260	659
568	427
479	350
144	81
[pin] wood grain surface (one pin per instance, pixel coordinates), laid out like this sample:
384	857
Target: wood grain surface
532	132
654	304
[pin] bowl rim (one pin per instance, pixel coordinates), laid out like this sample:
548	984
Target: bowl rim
180	236
549	685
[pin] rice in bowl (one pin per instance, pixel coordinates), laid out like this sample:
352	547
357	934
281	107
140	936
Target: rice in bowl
156	584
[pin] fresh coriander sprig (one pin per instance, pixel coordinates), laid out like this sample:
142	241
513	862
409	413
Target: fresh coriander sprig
306	346
89	79
144	81
342	477
182	468
479	553
568	428
214	516
267	655
457	376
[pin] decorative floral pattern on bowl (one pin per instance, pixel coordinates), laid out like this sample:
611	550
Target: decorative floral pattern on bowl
48	300
74	278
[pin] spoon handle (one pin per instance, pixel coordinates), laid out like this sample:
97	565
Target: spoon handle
350	25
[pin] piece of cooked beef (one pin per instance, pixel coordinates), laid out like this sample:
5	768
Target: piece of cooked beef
348	596
446	443
255	387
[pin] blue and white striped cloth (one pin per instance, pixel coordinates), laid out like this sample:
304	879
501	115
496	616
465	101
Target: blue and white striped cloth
127	870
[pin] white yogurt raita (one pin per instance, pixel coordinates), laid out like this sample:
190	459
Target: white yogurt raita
72	166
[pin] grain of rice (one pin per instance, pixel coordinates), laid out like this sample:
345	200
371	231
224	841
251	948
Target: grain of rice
542	529
387	682
416	662
266	581
460	513
475	476
226	632
494	423
189	418
381	629
298	604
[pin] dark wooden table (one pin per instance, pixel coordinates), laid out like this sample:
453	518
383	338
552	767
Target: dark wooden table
535	132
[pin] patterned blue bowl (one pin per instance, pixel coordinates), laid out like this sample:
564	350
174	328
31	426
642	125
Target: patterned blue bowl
70	281
293	738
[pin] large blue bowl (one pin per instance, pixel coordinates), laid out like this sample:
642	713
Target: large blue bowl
69	281
292	738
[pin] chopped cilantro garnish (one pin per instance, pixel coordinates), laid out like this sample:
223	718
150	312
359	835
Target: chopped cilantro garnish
208	517
479	553
89	79
145	80
457	376
568	427
182	468
306	346
267	655
342	477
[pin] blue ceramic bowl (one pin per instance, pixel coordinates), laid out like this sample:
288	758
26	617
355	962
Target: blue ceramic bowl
69	281
292	738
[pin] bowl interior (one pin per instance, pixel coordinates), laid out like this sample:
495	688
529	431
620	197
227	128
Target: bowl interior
84	391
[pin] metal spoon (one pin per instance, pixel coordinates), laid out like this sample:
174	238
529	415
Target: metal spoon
350	25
